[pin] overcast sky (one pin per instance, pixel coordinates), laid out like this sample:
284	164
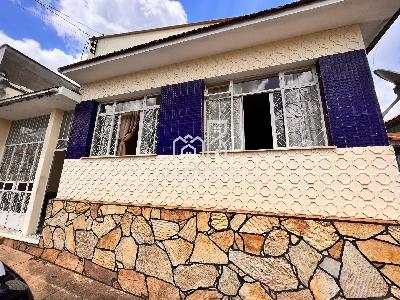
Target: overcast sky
50	38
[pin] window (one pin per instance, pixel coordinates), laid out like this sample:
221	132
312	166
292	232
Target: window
126	128
63	136
277	111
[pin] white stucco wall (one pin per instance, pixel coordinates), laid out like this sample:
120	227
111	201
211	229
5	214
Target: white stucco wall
349	183
263	57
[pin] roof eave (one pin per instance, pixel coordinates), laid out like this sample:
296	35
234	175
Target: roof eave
276	16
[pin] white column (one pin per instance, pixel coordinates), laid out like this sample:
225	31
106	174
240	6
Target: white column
4	130
42	173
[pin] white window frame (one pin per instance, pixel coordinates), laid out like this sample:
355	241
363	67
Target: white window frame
119	114
270	92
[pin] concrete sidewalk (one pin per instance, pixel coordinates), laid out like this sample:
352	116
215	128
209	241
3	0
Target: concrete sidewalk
48	281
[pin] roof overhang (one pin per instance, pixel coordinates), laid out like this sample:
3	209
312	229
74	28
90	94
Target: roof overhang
302	18
38	103
24	71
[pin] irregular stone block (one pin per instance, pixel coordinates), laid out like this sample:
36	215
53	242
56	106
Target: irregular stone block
276	243
331	266
175	215
392	272
298	295
276	273
195	276
178	251
70	206
164	229
204	295
358	230
378	251
359	278
161	290
229	283
132	282
110	240
189	231
47	237
205	251
323	286
141	231
86	241
223	239
305	259
82	223
153	261
126	223
336	250
321	235
68	261
59	220
237	221
155	213
219	221
136	211
253	291
126	252
253	243
394	231
57	206
259	225
202	221
59	238
99	273
82	207
50	255
104	258
102	228
112	209
70	239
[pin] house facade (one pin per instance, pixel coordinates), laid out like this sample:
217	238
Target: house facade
36	108
244	158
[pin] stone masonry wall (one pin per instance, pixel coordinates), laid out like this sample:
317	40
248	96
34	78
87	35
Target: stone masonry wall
161	253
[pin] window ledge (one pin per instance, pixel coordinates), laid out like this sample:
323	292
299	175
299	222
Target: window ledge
273	150
220	152
115	156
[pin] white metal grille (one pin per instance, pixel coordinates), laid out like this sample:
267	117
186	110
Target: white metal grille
63	136
106	134
18	169
148	139
296	111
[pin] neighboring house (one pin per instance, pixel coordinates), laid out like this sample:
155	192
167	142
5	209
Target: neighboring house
295	191
36	109
393	128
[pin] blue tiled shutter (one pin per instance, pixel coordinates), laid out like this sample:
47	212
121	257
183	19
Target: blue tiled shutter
181	115
81	133
352	108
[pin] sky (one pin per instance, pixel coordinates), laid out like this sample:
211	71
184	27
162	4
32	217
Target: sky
54	32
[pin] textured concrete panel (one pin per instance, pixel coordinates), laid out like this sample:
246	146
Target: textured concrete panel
348	182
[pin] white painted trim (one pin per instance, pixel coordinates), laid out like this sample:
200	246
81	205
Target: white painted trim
273	120
140	132
42	173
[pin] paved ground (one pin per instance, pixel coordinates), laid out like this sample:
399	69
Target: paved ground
48	281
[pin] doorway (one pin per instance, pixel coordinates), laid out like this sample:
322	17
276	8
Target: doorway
257	122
